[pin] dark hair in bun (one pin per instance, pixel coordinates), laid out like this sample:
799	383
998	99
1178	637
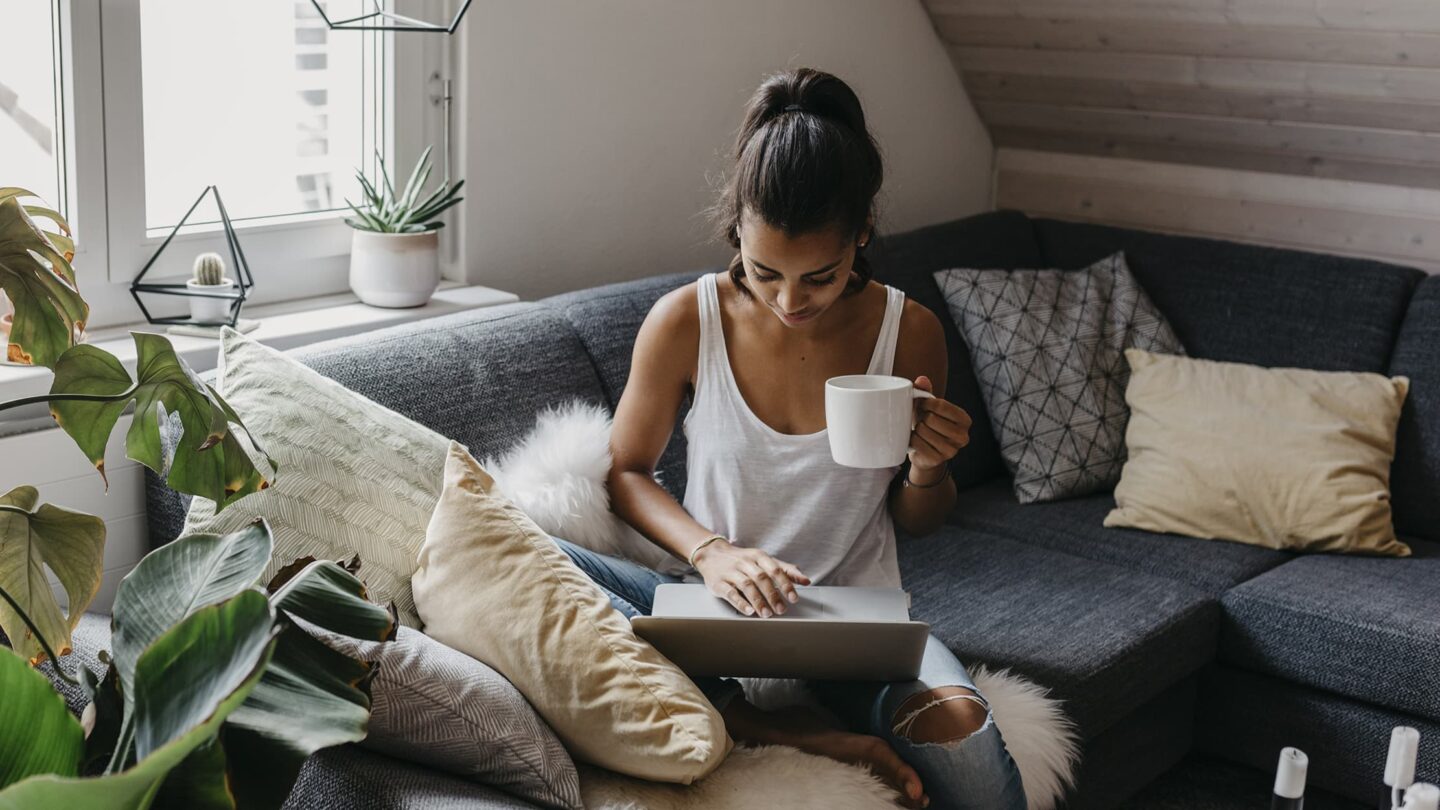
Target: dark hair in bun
804	162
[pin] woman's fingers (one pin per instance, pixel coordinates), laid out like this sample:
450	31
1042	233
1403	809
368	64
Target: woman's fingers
938	440
794	573
781	578
773	601
756	600
773	583
947	411
955	431
735	597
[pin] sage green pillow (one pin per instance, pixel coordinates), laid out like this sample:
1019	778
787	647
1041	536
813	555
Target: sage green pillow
354	477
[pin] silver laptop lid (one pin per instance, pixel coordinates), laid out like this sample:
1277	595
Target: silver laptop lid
847	604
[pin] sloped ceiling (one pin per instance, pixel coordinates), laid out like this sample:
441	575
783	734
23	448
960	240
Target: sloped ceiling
1343	89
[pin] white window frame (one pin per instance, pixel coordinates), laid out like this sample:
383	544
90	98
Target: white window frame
295	257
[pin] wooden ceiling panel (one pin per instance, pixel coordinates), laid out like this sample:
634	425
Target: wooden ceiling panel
1347	89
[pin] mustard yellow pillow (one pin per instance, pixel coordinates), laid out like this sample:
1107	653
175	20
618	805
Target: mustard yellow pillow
492	584
1284	458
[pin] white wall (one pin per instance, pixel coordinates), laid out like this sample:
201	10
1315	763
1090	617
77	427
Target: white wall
587	129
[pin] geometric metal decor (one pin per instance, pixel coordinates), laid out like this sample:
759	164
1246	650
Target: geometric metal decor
390	21
237	295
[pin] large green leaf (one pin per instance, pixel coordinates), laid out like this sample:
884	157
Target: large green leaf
37	733
201	649
37	277
200	782
176	580
325	594
208	460
181	679
311	697
71	543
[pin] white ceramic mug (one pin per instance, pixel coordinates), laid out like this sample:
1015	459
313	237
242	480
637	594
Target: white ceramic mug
869	418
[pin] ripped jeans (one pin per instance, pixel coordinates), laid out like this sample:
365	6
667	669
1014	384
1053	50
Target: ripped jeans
971	773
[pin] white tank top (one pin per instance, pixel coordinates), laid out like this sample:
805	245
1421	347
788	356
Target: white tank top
781	492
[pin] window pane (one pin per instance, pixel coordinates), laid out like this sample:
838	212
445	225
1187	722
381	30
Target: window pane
31	153
278	112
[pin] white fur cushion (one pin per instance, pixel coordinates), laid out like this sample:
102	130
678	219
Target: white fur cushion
556	475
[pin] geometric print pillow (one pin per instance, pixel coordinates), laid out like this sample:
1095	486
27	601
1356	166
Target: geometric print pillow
1048	348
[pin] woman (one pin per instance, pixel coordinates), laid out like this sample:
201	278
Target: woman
766	508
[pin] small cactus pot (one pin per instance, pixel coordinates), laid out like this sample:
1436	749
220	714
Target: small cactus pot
210	310
394	270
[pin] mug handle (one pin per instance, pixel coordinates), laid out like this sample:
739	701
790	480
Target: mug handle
916	393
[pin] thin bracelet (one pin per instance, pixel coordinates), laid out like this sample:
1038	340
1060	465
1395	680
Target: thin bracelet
703	543
938	482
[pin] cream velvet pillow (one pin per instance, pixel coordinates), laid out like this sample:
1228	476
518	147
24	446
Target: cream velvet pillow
492	584
1284	458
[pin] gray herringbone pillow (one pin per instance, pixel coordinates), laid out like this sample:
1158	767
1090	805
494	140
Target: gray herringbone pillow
1048	349
439	707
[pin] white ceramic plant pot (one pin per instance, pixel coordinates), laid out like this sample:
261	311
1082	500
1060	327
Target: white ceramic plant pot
210	310
394	269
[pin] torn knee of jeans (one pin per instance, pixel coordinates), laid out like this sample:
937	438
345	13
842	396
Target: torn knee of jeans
946	714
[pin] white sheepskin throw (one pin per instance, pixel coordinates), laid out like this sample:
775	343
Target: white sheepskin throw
1040	738
556	475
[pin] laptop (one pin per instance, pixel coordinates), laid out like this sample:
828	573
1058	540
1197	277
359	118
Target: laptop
832	633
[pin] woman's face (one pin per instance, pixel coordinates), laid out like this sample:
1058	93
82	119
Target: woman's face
798	277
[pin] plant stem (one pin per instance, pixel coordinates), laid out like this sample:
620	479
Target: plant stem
16	403
44	645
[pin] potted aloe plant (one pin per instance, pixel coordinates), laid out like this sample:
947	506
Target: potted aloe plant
214	693
395	247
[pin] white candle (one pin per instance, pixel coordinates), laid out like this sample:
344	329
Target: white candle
1422	797
1400	765
1290	776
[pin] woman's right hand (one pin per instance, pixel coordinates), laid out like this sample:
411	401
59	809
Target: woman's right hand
748	578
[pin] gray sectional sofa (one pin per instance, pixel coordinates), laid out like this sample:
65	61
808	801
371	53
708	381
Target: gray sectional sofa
1158	645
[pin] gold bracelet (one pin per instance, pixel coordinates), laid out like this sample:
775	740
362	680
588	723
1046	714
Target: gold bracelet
703	543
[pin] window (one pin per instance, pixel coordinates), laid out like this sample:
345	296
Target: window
31	127
119	114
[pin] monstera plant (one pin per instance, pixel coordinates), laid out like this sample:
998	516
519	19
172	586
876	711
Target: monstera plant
217	686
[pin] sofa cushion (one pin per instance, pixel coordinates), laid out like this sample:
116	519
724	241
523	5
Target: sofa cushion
1251	304
908	262
493	585
1074	527
1106	639
347	777
1364	627
1247	717
1415	477
439	707
356	480
1049	351
606	319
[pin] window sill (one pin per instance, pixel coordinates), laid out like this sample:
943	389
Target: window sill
283	326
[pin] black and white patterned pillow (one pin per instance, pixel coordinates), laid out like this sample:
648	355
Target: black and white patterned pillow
1048	348
439	707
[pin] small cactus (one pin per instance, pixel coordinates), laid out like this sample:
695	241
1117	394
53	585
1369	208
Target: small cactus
209	269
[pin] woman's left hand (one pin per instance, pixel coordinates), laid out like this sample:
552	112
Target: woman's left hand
941	429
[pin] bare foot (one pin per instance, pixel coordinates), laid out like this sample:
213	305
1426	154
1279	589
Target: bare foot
808	732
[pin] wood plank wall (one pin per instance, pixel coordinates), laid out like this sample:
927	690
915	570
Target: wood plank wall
1303	123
